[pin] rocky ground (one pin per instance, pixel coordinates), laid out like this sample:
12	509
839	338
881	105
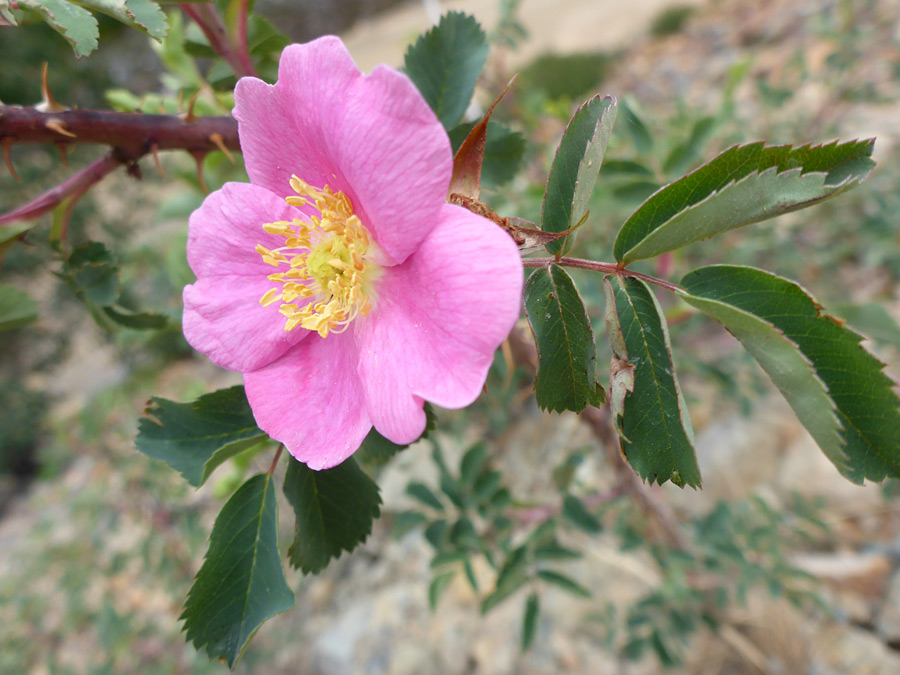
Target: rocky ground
369	612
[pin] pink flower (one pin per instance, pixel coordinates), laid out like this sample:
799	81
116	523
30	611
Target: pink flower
338	281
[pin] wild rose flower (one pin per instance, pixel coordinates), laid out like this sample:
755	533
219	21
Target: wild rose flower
338	281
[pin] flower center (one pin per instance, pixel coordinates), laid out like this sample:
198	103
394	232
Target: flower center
325	261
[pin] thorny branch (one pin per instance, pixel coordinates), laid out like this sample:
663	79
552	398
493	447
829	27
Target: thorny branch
131	136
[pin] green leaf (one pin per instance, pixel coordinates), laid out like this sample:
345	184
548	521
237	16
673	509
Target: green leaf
682	156
77	25
378	450
436	533
554	551
575	512
866	405
643	141
575	169
137	320
144	15
444	64
16	308
873	321
436	588
566	374
422	493
656	432
745	184
513	575
471	463
789	369
194	438
503	151
92	271
241	583
529	620
625	167
334	511
564	582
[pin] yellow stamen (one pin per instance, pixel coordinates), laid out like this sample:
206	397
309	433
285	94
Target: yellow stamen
326	261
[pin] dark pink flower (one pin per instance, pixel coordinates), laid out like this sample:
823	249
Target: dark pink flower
339	281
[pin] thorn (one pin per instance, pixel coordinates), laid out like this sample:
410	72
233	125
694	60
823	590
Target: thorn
189	116
154	150
63	152
48	103
7	143
198	156
219	142
57	125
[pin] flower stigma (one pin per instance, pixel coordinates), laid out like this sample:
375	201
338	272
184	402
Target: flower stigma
326	263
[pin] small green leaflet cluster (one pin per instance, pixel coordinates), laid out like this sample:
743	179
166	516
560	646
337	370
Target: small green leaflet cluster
75	22
740	547
466	518
836	388
241	583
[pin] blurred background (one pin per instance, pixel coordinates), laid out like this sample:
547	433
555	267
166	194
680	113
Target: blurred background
99	544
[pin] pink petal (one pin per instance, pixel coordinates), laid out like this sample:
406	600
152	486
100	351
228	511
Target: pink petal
222	315
224	320
396	158
224	231
437	321
285	128
311	400
374	138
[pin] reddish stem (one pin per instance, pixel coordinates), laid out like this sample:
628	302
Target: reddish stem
275	461
205	15
606	268
75	186
241	39
540	514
